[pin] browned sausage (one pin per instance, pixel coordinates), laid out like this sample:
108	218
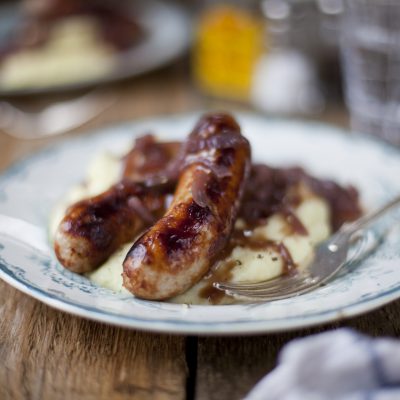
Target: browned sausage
178	250
94	228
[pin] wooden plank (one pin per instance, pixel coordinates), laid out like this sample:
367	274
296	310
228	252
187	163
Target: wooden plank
228	367
47	354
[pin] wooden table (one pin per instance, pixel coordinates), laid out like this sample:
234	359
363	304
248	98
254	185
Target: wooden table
47	354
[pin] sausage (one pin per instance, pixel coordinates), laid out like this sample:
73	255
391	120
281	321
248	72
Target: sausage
94	228
178	250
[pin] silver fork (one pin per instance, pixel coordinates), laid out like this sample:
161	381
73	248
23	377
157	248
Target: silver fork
329	258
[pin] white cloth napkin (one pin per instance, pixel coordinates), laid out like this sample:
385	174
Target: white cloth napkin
335	365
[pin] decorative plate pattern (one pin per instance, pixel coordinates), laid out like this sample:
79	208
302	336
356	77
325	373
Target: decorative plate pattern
30	189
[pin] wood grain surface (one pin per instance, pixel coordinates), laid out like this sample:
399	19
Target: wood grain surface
47	354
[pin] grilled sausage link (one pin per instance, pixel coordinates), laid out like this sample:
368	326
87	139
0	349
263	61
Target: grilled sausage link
94	228
178	250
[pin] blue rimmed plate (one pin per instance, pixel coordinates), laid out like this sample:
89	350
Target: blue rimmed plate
29	190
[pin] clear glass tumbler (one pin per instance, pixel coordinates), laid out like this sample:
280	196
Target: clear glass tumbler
370	46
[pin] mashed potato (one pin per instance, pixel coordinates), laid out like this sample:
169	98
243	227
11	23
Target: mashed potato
73	53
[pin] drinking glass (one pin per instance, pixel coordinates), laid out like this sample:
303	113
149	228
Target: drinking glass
370	47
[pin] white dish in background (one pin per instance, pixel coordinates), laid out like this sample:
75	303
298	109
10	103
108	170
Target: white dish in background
31	188
163	42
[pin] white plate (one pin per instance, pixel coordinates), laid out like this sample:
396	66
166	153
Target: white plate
167	29
30	189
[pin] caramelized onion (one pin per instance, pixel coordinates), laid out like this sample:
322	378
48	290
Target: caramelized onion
199	188
141	210
224	140
267	192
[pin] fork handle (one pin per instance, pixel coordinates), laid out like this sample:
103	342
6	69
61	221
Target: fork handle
372	217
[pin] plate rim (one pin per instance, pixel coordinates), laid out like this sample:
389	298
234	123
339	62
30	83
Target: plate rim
200	328
193	327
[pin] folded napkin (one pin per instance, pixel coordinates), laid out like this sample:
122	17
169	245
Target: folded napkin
341	364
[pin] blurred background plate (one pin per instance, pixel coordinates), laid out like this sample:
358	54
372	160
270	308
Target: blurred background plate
163	42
